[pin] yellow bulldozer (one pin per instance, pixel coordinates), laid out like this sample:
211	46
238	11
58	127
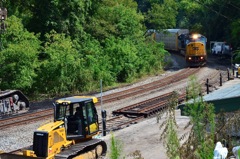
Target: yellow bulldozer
70	136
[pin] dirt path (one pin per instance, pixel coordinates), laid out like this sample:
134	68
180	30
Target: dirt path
145	138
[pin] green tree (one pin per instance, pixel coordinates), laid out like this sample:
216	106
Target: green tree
20	9
119	19
66	17
235	33
95	34
59	73
213	18
143	5
119	28
96	65
124	58
19	56
162	15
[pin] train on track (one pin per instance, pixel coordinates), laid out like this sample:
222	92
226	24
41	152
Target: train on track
12	102
191	45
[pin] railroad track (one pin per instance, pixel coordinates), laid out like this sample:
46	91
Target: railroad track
25	118
184	74
131	114
128	115
141	110
119	122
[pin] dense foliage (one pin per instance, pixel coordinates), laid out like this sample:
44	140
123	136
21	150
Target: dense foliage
60	47
57	47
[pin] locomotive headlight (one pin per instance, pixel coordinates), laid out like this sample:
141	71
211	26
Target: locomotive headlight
201	58
195	36
64	103
189	58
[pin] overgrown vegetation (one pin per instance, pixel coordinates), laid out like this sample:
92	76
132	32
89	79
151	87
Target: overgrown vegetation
115	148
207	128
169	135
202	120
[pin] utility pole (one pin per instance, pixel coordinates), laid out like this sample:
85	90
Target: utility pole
104	114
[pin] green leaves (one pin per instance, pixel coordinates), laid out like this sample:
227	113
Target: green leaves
169	127
203	122
162	16
82	42
19	57
124	57
116	18
115	148
58	74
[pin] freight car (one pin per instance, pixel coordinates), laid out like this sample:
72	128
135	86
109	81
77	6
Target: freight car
191	46
12	102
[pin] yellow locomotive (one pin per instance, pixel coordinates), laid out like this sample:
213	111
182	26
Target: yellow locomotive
191	46
195	53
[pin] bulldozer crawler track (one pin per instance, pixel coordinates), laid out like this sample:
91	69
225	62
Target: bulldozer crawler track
14	156
82	148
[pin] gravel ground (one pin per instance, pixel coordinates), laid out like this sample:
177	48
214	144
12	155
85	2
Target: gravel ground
18	136
143	136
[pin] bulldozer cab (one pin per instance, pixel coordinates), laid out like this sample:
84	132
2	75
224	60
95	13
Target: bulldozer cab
79	116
